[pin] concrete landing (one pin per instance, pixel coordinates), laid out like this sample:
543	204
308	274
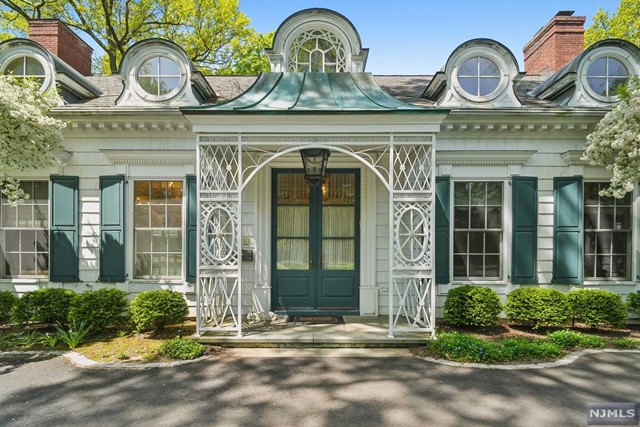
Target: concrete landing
355	332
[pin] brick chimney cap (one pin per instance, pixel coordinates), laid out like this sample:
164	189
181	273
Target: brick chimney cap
565	13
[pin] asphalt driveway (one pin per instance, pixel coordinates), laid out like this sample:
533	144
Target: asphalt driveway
47	391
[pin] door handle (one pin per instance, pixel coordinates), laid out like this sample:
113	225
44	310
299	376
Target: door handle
310	263
320	261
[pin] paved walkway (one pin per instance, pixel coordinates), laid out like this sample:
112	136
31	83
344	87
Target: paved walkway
311	391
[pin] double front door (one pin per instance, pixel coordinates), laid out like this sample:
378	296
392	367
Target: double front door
315	241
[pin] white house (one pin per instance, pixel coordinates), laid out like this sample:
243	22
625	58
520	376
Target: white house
195	183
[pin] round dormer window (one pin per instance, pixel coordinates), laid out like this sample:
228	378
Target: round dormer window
479	76
605	75
26	67
160	77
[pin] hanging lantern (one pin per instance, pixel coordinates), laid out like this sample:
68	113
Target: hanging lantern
315	164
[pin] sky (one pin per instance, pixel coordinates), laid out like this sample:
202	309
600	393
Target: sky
417	36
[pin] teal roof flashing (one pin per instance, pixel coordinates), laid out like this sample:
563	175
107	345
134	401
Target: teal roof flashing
313	93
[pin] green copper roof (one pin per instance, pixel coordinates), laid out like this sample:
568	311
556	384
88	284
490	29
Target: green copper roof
312	93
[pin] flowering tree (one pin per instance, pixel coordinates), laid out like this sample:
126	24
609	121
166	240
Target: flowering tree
29	138
615	144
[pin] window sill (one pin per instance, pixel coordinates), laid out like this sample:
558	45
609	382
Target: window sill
605	282
480	282
26	280
158	281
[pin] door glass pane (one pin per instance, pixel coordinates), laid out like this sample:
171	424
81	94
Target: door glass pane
338	254
293	254
339	189
292	189
338	221
293	221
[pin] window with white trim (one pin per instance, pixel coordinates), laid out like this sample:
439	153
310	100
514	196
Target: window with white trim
317	51
607	234
477	230
479	76
26	66
159	76
24	233
158	228
606	74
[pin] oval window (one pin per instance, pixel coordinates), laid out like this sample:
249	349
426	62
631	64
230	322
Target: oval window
605	75
479	76
26	66
159	76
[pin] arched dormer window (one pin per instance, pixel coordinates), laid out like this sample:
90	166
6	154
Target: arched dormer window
606	74
317	51
25	59
479	73
317	40
158	73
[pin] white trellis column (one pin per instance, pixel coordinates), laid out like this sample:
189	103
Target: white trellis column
219	282
411	220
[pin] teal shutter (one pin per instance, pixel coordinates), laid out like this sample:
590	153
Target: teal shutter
524	246
567	230
112	257
64	229
443	228
192	228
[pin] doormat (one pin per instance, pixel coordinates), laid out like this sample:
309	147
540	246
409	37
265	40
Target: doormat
316	320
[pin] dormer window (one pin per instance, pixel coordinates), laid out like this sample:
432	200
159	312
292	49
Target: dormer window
317	51
26	67
159	76
479	76
605	75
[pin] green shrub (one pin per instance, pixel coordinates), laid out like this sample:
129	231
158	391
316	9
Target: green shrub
464	348
521	349
100	309
633	302
567	339
472	306
597	307
157	309
7	301
625	342
181	348
537	307
50	305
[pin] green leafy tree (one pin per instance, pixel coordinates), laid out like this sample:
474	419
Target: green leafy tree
210	31
29	138
623	24
615	144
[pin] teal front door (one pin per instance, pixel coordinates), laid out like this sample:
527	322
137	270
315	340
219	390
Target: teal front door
315	242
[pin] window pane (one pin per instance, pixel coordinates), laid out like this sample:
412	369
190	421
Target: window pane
590	266
591	218
617	68
603	243
9	216
12	241
158	192
488	68
28	241
599	85
469	67
492	266
167	84
42	261
12	264
292	254
460	266
293	221
142	190
460	242
478	193
159	241
590	242
488	85
174	216
15	67
143	241
174	239
158	215
338	254
338	221
623	218
34	67
598	68
175	265
614	84
606	218
141	216
620	243
461	193
619	266
149	67
168	67
159	265
476	242
477	217
476	266
492	242
461	217
494	193
591	190
149	85
174	192
143	265
469	85
603	267
494	217
25	218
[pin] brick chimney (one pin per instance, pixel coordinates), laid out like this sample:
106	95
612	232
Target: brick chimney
556	44
58	39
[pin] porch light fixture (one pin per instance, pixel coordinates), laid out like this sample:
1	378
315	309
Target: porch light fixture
315	164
